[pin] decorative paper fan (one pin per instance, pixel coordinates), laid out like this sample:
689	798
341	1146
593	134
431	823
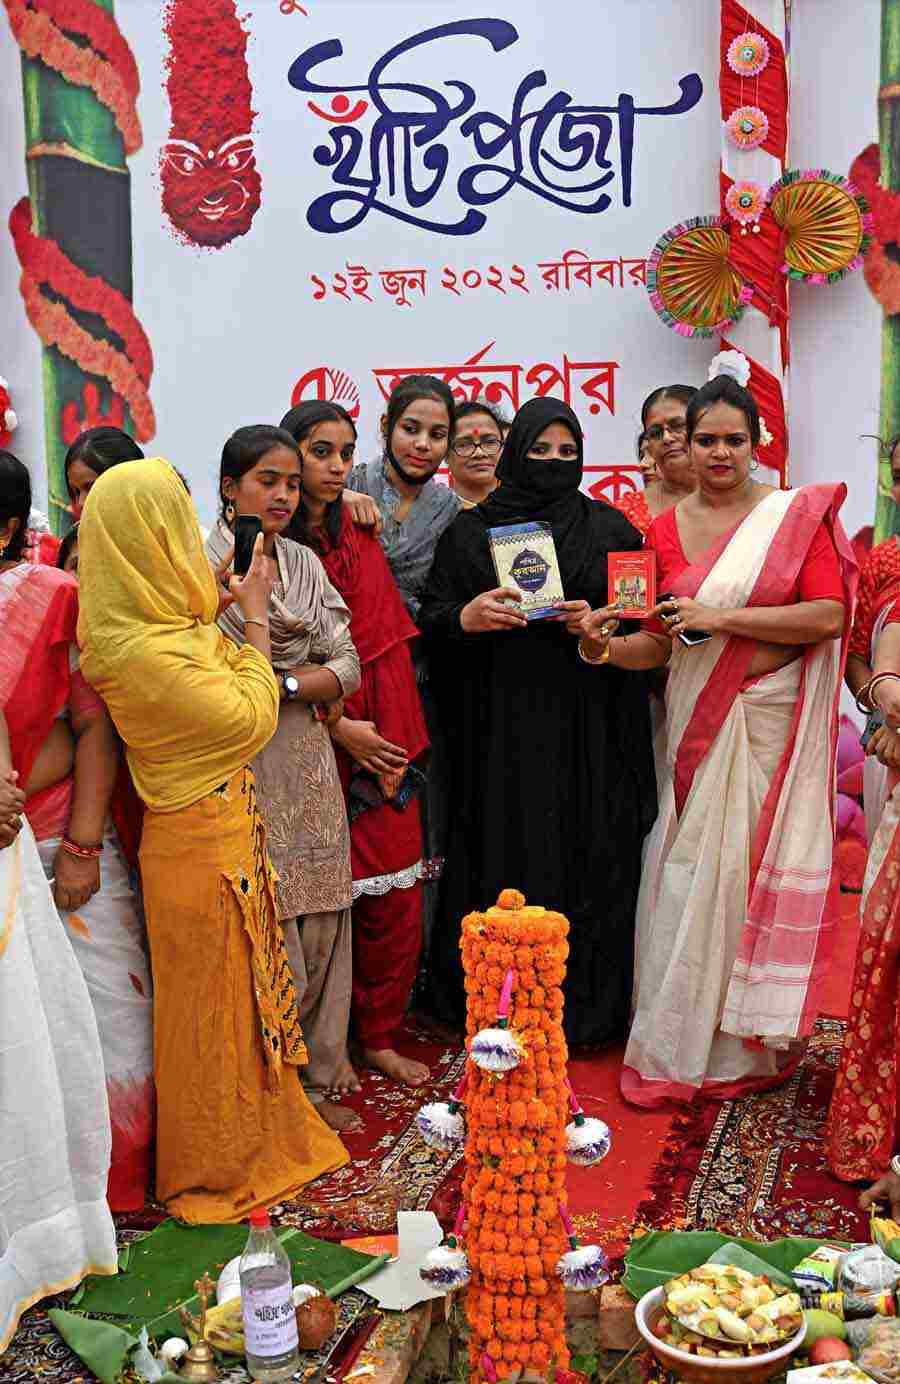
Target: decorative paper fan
827	224
691	282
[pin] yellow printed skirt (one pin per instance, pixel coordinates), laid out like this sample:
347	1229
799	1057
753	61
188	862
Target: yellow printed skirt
234	1128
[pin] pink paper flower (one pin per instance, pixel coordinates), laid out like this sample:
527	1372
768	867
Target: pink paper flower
748	54
747	127
745	202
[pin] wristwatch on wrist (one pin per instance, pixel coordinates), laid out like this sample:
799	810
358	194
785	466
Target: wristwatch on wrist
895	1164
291	686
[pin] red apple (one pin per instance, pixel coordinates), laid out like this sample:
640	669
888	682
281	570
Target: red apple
829	1349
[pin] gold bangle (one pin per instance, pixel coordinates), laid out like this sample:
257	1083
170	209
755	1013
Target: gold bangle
594	662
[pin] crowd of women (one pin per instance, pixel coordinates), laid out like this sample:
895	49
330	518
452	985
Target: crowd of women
242	816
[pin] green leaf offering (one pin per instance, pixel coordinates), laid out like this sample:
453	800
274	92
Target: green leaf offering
103	1347
742	1258
654	1258
163	1267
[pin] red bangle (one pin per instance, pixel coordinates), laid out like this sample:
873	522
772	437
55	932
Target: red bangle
82	852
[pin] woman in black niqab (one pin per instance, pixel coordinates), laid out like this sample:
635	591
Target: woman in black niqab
553	788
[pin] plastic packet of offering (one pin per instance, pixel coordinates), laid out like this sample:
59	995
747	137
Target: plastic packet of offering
844	1371
878	1346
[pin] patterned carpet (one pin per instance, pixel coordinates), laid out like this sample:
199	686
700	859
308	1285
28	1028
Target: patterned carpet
756	1167
752	1167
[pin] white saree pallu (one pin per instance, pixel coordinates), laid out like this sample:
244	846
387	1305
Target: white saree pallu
735	917
55	1225
106	935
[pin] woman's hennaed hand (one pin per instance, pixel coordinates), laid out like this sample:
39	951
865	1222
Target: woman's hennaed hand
491	611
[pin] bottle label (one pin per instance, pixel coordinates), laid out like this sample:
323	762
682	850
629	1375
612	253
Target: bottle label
270	1322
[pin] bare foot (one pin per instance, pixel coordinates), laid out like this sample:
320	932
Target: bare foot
346	1079
400	1068
338	1116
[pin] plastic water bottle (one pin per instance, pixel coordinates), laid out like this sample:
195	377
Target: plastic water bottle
267	1304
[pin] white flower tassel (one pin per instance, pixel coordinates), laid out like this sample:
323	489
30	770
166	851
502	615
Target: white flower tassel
587	1140
733	363
499	1049
441	1125
581	1270
447	1266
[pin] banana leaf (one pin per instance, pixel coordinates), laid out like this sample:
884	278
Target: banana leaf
162	1268
103	1347
660	1255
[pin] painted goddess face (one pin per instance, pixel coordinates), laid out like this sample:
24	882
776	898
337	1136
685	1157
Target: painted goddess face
210	195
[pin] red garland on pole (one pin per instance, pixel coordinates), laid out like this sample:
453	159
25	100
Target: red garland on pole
766	390
768	89
757	259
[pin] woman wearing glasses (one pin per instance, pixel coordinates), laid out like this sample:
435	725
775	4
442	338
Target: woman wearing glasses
473	457
664	436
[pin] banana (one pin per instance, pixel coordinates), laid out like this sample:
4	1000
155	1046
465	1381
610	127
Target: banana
886	1234
224	1328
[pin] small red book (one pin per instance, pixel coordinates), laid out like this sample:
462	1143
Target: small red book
632	583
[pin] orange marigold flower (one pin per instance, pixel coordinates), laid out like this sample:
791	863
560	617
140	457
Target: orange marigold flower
511	899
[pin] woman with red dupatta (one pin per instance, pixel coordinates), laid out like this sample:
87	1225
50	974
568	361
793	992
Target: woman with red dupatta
377	741
64	748
863	1136
738	900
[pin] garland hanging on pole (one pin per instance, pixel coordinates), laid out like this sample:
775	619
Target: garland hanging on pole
72	234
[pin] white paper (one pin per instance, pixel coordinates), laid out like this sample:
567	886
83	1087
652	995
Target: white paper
398	1287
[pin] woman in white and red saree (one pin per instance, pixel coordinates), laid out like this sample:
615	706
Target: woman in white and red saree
63	747
737	909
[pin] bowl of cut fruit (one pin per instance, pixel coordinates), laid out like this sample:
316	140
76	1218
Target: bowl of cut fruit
720	1324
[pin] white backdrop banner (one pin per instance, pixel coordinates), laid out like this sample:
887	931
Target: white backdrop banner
332	194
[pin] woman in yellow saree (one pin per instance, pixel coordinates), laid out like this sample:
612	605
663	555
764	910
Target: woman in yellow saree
235	1129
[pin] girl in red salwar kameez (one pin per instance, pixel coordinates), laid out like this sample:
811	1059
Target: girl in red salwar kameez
377	740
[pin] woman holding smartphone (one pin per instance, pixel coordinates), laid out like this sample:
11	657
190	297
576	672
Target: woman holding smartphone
300	794
234	1129
736	911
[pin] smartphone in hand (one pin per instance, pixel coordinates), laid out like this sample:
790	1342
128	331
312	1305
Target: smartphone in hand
247	527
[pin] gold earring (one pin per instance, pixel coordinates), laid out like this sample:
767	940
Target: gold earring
229	513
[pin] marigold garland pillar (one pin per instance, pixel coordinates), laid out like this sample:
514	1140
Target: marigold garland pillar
515	1147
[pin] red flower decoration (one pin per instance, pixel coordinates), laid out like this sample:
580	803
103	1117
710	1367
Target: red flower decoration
72	422
881	269
8	419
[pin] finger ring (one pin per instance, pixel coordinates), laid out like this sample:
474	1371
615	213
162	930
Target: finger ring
604	630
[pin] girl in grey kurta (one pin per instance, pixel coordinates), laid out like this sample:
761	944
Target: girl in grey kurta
300	795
